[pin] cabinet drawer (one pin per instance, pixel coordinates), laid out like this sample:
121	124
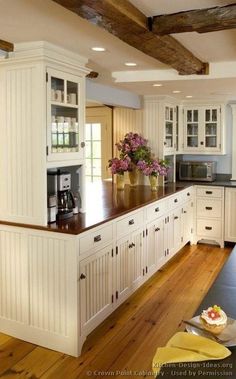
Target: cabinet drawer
187	194
210	191
209	208
95	238
174	201
209	228
157	209
129	224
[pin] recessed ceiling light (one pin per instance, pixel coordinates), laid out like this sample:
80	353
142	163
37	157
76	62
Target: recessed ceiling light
188	96
157	85
131	64
176	91
98	48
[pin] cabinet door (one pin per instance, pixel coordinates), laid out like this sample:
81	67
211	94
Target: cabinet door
212	129
65	116
177	229
95	274
169	247
151	249
169	134
230	215
192	129
122	269
186	223
137	258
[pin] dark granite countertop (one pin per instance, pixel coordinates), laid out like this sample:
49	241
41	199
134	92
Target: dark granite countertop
221	180
105	203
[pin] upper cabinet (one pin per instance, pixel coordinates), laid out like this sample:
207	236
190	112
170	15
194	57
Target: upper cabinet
202	129
42	111
169	129
64	116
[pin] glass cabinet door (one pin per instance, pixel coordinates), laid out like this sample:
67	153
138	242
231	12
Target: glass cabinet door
64	134
211	127
192	128
169	128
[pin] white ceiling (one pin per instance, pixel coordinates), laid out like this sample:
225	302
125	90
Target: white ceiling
31	20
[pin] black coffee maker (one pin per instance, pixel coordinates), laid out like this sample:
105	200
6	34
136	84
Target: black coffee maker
65	198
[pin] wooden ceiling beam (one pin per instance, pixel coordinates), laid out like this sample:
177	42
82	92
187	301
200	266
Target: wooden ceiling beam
127	23
6	46
198	20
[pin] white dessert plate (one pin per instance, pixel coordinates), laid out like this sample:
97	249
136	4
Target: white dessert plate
228	333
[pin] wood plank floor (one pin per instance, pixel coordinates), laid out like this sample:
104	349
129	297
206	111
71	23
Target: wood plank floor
123	346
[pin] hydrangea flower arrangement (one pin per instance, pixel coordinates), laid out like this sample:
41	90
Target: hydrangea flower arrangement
153	167
119	166
133	146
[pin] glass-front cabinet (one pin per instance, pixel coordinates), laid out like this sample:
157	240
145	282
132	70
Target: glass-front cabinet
202	129
65	117
170	125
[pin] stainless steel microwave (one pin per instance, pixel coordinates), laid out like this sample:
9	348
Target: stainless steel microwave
197	170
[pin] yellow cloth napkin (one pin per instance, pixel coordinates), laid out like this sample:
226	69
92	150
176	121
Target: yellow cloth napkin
187	347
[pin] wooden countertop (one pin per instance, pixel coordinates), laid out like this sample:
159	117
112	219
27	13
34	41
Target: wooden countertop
105	203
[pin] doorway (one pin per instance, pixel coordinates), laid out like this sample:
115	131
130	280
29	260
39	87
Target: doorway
98	143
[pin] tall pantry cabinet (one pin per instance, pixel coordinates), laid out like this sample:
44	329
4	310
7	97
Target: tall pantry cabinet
25	125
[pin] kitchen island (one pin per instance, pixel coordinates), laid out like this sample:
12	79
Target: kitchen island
58	282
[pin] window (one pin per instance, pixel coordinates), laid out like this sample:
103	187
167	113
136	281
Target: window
93	152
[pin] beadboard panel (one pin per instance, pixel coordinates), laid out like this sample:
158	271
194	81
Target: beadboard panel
14	292
125	120
49	283
151	124
23	133
95	287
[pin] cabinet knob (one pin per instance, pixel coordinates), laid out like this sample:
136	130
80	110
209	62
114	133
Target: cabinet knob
185	211
188	194
176	218
82	276
97	238
157	209
157	229
201	143
131	222
176	200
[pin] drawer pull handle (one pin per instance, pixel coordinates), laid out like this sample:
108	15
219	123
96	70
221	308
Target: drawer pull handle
209	208
209	192
176	200
97	238
176	218
208	227
82	276
157	229
157	209
131	222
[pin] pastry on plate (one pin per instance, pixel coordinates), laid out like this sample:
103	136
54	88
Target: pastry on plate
214	319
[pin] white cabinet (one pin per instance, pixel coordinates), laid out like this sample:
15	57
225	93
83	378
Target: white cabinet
29	107
65	116
203	129
129	264
95	285
230	214
169	129
210	214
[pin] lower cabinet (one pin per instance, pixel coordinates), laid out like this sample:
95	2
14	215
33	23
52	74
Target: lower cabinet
230	214
128	265
95	284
